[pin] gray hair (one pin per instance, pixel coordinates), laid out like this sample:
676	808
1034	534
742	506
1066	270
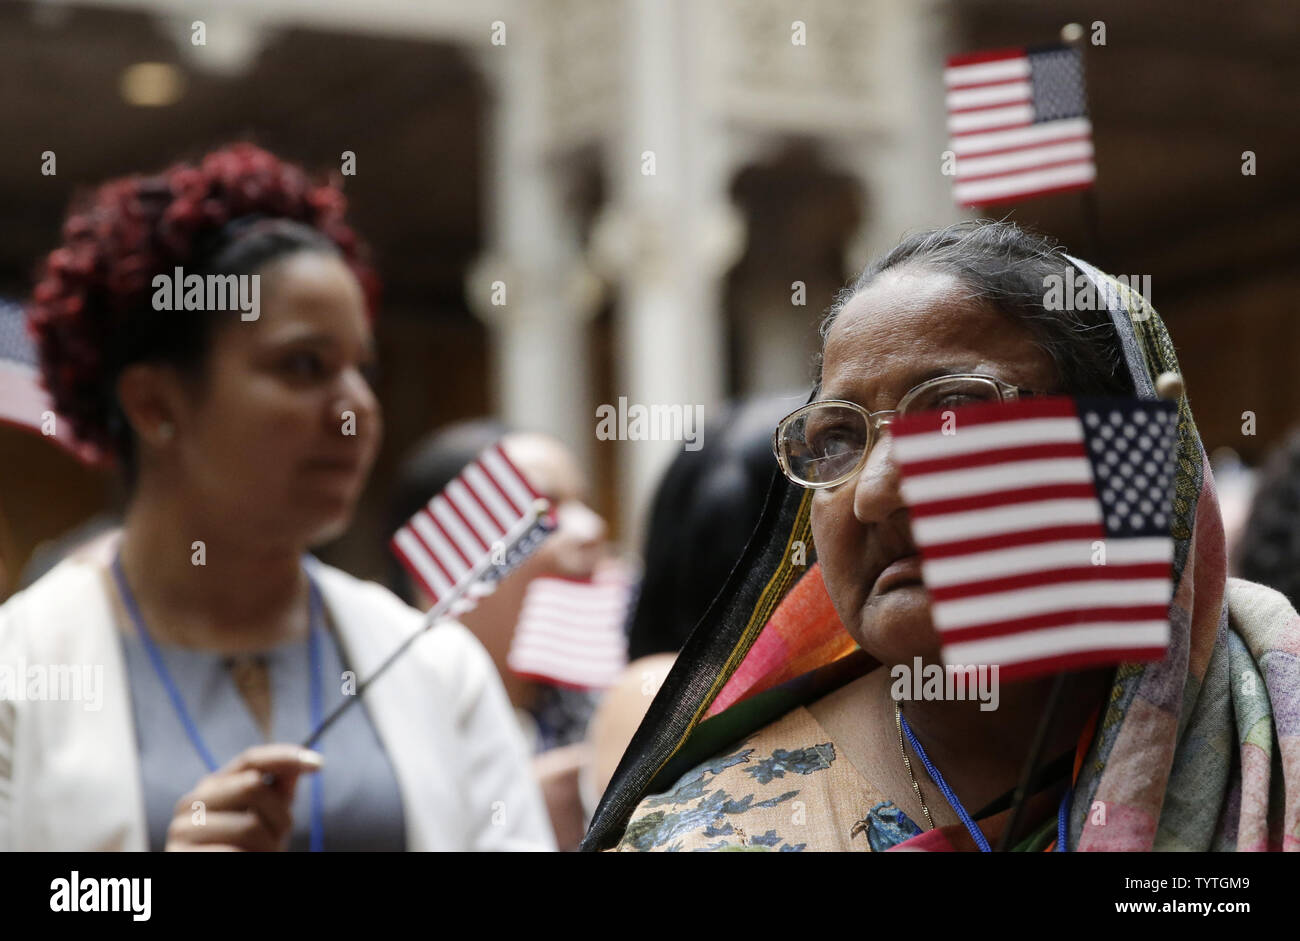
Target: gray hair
1009	269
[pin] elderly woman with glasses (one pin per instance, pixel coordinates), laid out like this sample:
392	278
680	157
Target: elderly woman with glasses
781	726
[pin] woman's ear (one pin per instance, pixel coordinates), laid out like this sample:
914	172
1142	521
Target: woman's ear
151	399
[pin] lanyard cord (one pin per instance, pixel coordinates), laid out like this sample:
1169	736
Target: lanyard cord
1061	821
316	695
976	834
948	794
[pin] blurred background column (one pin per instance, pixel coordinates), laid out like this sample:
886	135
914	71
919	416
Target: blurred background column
901	163
670	234
532	287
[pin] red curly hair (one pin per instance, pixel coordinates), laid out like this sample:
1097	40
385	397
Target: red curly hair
94	289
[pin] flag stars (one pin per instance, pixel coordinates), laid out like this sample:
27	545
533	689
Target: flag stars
1130	453
1109	497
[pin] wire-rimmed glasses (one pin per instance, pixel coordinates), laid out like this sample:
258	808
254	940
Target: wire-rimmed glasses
825	443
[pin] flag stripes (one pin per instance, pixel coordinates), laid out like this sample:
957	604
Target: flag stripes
570	632
1038	524
1018	124
454	534
24	402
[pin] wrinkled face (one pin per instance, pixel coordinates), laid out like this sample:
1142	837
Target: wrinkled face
579	538
909	325
283	430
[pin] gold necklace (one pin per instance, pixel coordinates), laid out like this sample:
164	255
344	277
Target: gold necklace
907	763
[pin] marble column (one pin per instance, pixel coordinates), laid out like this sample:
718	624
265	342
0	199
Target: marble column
667	238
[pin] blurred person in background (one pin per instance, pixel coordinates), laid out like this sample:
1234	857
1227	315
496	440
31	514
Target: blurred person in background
1235	484
552	716
1269	548
211	642
704	510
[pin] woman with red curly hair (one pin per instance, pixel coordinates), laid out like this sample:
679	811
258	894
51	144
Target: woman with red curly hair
206	639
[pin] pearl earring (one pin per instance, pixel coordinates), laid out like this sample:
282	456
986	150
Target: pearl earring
165	430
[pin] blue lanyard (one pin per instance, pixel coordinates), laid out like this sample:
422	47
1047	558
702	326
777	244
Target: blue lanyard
976	834
316	695
1061	821
955	804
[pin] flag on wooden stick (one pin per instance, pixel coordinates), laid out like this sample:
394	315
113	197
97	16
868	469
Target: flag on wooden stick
483	524
1044	529
1018	124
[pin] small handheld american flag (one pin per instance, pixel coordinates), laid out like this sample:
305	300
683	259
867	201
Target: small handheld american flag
478	529
22	400
1044	529
570	631
24	403
483	524
1018	123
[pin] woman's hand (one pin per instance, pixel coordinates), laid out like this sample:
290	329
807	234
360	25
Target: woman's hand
245	805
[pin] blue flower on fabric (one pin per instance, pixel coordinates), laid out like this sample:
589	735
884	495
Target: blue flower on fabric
886	826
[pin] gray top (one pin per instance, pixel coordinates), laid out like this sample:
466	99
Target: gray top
362	803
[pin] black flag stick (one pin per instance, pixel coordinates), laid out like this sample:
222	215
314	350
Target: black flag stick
1092	226
1169	386
1071	35
516	535
1029	773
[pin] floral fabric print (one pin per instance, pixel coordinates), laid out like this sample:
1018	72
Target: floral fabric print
785	790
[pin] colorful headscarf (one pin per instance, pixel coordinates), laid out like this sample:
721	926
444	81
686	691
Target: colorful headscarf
1199	751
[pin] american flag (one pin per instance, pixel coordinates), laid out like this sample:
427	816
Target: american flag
480	527
1044	529
23	400
570	632
1018	122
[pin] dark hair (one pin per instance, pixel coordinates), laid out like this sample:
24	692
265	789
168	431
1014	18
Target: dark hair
91	313
1269	550
704	511
1008	268
431	464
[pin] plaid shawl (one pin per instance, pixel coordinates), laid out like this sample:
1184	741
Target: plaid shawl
1199	751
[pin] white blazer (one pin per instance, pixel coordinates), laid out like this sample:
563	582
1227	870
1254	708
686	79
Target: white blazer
70	776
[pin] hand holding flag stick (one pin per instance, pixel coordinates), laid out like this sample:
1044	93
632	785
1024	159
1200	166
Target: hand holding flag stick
469	536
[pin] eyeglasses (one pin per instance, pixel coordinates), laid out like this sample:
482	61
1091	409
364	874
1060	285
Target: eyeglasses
826	443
